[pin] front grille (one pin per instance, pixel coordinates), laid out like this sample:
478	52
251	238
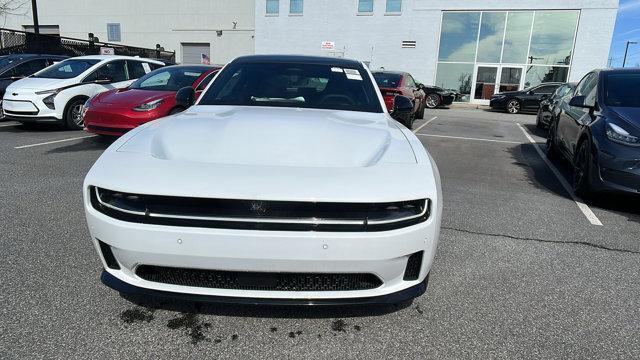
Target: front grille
258	214
238	280
20	113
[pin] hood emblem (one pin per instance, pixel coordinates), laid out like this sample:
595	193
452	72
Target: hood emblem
14	94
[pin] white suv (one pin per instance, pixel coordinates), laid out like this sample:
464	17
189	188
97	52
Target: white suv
57	93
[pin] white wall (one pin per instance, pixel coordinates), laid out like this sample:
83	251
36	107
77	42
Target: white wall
378	37
146	23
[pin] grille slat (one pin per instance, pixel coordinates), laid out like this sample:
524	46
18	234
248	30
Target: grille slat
237	280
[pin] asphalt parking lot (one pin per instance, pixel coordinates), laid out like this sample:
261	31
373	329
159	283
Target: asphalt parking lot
523	270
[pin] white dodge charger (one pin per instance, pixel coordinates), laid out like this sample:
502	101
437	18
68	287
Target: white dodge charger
288	182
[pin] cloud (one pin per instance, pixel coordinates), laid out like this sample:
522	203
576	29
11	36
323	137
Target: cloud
629	5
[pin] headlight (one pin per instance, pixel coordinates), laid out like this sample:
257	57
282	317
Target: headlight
151	105
617	134
49	101
54	91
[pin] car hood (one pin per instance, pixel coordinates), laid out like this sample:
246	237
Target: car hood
128	98
274	137
630	115
39	84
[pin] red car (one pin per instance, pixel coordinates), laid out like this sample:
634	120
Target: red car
150	97
392	83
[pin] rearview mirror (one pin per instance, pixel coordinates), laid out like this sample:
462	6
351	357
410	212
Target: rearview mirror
185	97
402	108
579	101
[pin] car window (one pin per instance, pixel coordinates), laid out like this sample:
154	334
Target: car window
136	69
30	67
169	79
410	81
66	69
545	89
203	84
115	71
387	80
318	86
586	85
622	90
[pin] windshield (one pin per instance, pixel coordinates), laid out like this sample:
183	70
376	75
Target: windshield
7	60
387	80
169	79
293	85
623	89
66	69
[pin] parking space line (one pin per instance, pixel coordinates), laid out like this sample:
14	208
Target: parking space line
584	208
54	142
469	138
425	124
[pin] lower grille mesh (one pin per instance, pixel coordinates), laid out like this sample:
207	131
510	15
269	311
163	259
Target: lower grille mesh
237	280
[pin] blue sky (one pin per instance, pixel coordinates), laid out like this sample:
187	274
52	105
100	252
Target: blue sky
627	29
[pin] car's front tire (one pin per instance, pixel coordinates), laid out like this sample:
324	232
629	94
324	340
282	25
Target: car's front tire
551	146
513	106
582	171
432	101
73	114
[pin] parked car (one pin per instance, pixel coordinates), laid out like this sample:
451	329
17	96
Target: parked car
548	108
57	93
17	66
392	83
152	96
527	99
268	190
436	96
598	131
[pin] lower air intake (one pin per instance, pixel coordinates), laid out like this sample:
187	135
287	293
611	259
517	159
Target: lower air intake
237	280
414	264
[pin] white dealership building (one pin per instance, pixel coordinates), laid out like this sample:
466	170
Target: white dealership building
476	47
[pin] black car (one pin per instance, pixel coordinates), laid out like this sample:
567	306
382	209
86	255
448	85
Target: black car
549	109
436	96
17	66
527	99
598	131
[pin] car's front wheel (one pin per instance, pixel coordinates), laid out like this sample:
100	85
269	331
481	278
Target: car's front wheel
552	149
582	171
73	114
513	106
432	101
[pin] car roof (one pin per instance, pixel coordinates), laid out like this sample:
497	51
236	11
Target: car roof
620	70
320	60
113	57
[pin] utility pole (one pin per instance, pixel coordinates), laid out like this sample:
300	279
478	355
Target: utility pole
34	11
626	50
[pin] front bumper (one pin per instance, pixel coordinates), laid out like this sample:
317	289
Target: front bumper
618	168
117	121
447	99
29	110
498	103
384	254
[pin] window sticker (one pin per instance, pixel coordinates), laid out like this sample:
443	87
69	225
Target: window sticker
353	74
146	67
336	69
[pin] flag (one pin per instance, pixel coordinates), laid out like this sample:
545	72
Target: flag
204	59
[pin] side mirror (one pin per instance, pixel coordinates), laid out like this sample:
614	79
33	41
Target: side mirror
402	108
186	97
579	101
103	80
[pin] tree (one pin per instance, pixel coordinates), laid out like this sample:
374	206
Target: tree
13	7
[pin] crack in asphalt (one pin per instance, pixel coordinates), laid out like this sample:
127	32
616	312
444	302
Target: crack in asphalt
601	247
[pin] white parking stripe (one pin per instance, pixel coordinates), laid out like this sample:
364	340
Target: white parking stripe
593	219
468	138
54	142
425	124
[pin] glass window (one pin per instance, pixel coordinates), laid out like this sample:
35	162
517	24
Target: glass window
273	6
136	69
552	38
491	36
169	79
207	79
586	84
459	36
296	6
516	40
547	89
394	6
387	79
456	77
29	67
113	32
115	71
66	69
410	82
300	85
537	75
365	6
623	89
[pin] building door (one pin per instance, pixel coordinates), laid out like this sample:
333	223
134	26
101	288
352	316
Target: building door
510	78
192	53
484	84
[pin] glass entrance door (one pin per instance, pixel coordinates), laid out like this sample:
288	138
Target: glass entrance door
485	82
510	79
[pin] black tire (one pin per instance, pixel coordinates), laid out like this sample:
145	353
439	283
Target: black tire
420	114
552	146
538	122
176	110
73	114
432	101
513	106
409	122
582	171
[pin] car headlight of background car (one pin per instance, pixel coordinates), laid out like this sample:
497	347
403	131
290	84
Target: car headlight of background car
148	106
617	134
